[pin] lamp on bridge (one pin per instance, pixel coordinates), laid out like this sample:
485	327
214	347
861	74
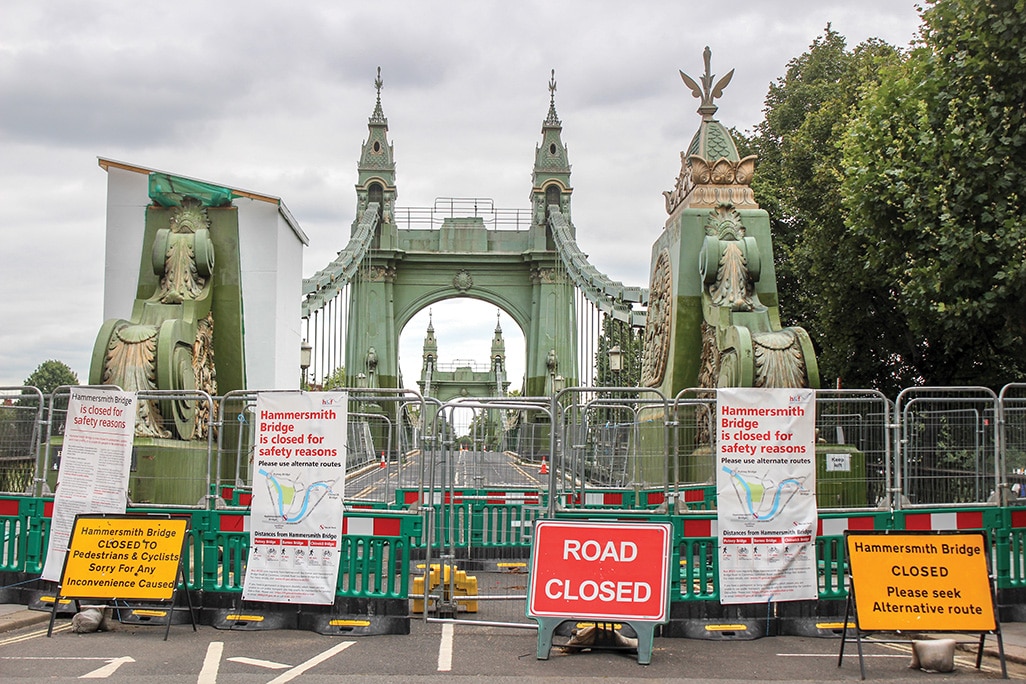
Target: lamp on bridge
558	384
615	360
361	381
305	357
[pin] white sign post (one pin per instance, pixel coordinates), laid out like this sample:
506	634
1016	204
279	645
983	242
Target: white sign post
766	494
298	487
96	458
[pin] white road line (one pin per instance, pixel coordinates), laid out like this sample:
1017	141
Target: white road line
834	655
316	660
211	663
445	648
108	669
269	664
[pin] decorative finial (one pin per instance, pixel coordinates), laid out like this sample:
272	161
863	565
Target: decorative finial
378	117
552	119
707	92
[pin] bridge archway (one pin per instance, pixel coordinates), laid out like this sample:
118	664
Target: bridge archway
399	261
463	332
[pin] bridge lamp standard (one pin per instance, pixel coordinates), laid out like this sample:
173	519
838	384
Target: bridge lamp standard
615	360
305	358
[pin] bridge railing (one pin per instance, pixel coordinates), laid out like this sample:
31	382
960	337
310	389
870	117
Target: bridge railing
431	218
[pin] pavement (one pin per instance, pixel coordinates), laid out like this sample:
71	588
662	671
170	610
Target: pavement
15	616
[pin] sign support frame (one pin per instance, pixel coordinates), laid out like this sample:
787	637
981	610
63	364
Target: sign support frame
549	618
179	571
851	603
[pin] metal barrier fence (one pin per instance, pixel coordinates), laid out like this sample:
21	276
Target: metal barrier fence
938	458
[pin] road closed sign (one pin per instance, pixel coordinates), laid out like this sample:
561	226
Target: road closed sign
601	571
921	581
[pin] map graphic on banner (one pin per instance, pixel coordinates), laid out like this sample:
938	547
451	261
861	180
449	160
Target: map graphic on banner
96	459
298	489
762	497
294	501
766	494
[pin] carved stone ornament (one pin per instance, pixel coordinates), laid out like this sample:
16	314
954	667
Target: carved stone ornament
377	274
187	253
543	276
728	251
706	184
131	363
206	373
658	321
463	281
708	373
779	361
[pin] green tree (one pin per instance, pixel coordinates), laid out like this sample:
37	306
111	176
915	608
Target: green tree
50	375
798	182
616	333
336	380
934	186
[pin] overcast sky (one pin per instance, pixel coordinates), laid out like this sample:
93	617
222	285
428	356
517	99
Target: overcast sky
274	98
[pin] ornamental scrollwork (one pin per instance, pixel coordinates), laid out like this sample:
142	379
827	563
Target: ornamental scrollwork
463	281
658	322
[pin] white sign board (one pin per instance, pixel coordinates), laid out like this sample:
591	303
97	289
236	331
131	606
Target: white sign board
838	463
766	494
95	462
299	468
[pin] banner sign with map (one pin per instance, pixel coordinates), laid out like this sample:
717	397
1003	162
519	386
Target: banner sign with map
299	468
766	494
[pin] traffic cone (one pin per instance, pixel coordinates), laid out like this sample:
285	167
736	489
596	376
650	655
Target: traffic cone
384	463
544	467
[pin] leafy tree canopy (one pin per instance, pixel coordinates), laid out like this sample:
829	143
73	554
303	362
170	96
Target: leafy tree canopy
934	183
50	375
798	182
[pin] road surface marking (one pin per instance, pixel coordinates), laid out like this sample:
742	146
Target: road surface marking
269	664
211	663
108	669
33	635
316	660
445	648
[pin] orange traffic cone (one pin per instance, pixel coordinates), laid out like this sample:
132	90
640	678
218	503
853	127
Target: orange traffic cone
384	463
544	467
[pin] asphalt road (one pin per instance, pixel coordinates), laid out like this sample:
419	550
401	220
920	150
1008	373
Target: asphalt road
467	469
435	652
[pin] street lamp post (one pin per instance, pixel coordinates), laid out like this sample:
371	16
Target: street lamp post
305	357
615	362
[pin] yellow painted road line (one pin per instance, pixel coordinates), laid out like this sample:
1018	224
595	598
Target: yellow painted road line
32	635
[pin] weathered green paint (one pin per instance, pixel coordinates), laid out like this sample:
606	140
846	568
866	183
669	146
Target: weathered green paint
713	274
408	269
225	300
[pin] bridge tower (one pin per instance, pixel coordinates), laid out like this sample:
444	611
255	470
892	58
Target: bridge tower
552	348
466	250
372	342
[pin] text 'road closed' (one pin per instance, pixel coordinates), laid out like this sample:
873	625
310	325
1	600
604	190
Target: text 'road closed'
614	571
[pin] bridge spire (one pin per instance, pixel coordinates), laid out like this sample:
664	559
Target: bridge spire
551	175
376	171
552	119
